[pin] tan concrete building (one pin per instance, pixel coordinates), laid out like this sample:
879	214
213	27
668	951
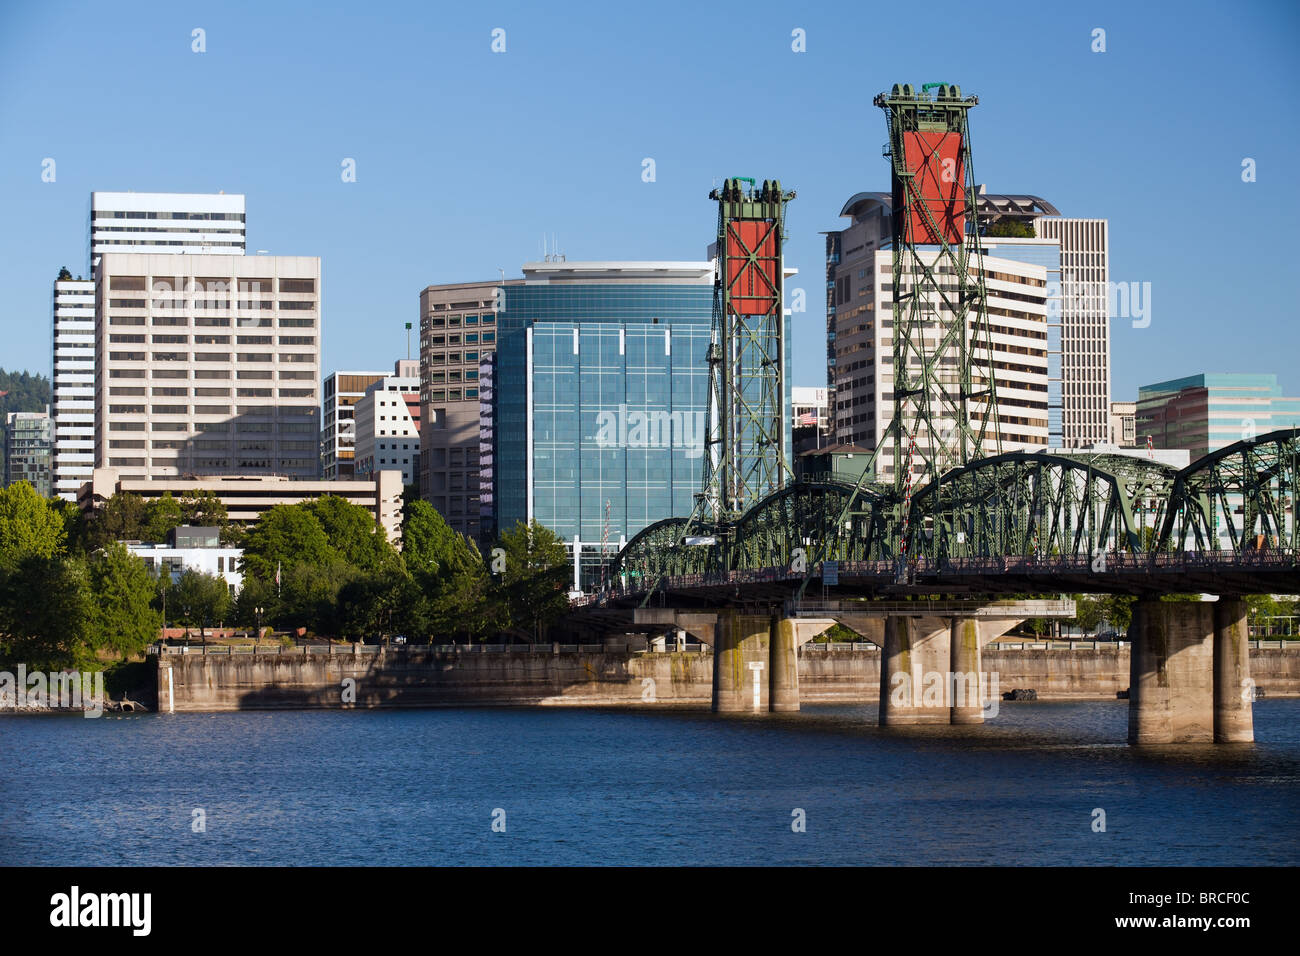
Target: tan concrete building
457	329
207	365
1123	424
338	433
246	497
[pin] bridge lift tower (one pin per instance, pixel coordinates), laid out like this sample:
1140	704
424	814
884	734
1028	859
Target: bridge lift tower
745	454
945	395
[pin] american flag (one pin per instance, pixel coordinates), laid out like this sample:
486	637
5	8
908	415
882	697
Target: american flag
808	418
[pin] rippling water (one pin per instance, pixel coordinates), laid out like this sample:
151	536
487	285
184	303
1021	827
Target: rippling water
637	787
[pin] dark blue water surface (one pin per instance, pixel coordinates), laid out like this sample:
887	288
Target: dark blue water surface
639	787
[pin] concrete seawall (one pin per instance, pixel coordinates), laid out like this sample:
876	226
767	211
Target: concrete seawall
414	677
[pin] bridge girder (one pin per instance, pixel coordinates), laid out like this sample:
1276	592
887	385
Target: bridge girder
1248	488
1034	503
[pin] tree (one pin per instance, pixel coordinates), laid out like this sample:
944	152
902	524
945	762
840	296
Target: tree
161	516
64	274
1088	612
198	599
255	593
121	617
1011	228
309	594
46	633
121	518
74	523
428	543
353	533
204	509
373	604
532	587
29	526
285	535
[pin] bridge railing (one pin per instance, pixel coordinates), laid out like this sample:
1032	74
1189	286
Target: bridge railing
1108	562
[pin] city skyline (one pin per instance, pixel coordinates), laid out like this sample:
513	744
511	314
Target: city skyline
446	214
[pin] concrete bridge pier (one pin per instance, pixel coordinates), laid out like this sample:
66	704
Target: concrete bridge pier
741	659
783	672
914	669
1234	691
1171	674
966	675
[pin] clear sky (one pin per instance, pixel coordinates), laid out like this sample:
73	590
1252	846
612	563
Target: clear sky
466	157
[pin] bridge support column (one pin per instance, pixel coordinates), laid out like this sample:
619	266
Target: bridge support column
784	668
1234	692
914	671
741	657
1171	673
967	680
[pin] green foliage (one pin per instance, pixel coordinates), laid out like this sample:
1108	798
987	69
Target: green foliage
838	633
353	533
161	515
283	536
1011	229
203	509
44	608
374	605
74	523
1088	612
121	518
531	591
29	526
64	274
120	618
309	595
198	600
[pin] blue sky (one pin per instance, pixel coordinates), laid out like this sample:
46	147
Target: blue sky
466	157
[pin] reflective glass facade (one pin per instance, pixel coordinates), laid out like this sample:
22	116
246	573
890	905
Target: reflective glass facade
601	390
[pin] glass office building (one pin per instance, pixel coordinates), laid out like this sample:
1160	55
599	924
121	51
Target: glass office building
600	392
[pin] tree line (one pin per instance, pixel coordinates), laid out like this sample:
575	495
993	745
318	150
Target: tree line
71	593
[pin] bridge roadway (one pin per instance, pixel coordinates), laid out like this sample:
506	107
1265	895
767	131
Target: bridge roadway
1189	672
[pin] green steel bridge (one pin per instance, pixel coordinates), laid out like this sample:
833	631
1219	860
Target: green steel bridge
1006	524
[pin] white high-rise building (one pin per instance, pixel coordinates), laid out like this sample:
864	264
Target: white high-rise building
863	341
207	365
189	223
73	385
1085	327
387	424
1073	254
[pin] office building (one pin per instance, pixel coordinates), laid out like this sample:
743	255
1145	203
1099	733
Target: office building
341	391
1123	424
1203	413
1084	317
860	340
1074	256
72	380
388	424
458	329
189	223
28	441
207	365
601	386
248	497
192	548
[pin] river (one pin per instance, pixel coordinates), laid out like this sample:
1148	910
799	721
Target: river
553	785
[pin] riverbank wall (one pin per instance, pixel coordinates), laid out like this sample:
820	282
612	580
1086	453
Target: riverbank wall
368	677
